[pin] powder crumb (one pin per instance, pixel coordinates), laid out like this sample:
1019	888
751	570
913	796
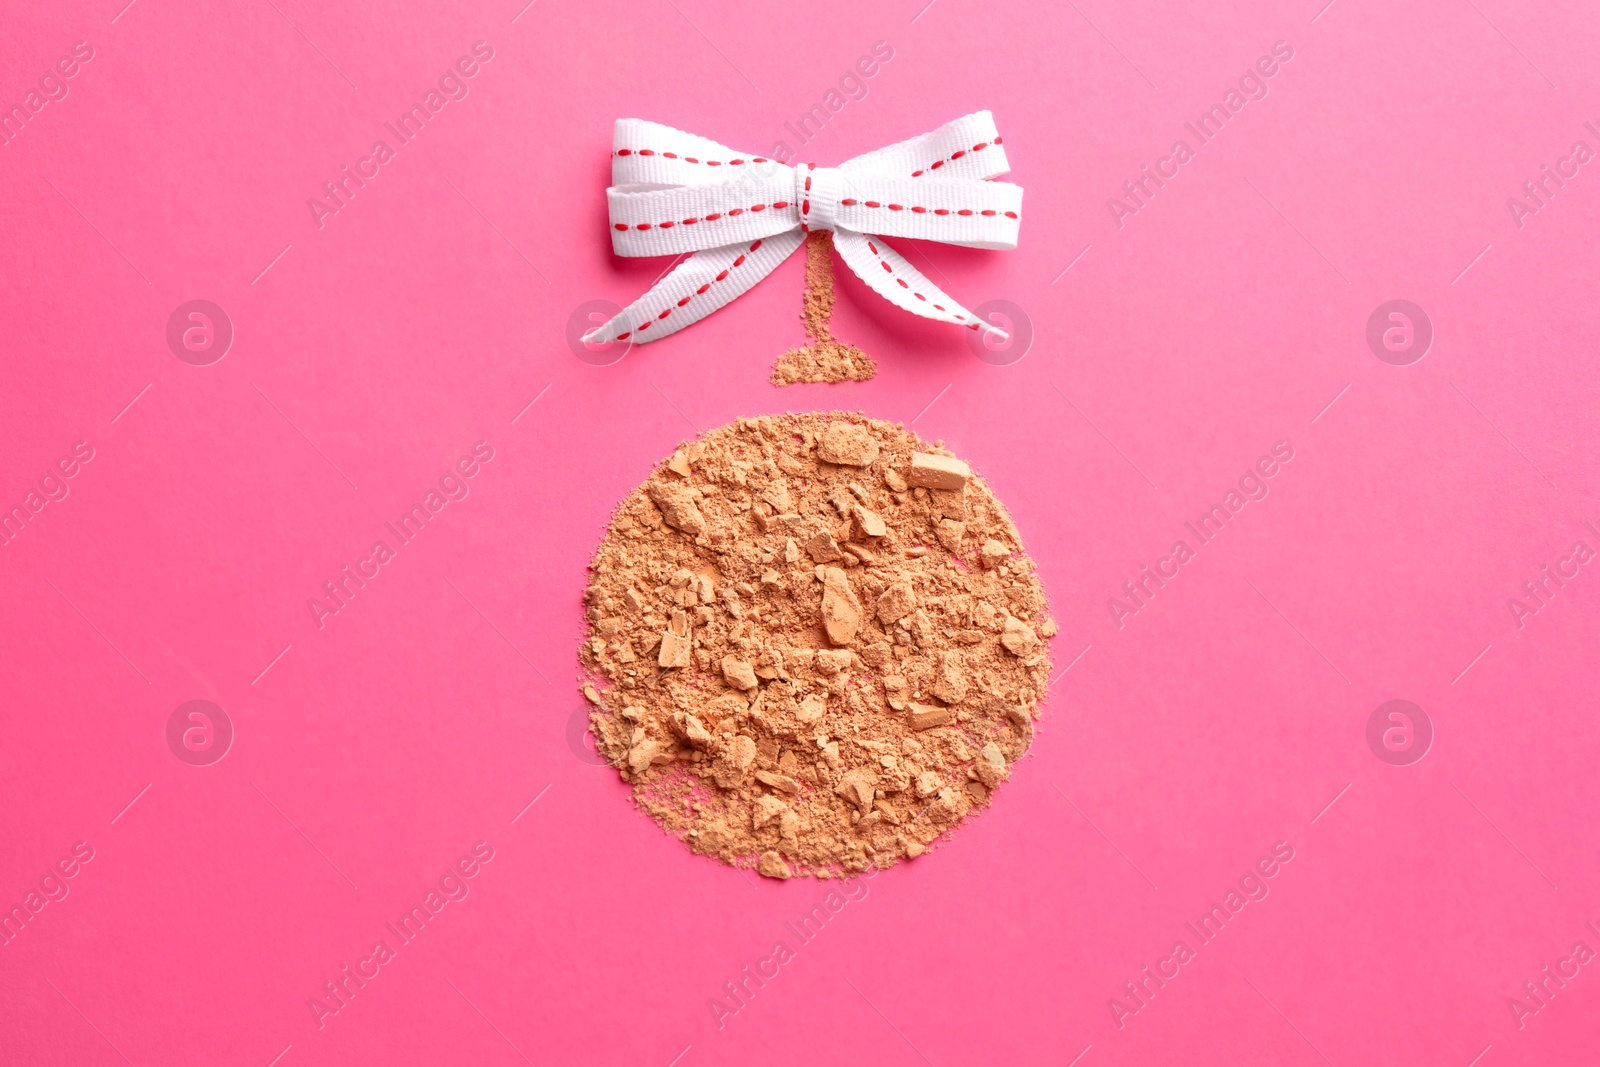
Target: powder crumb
823	548
738	673
841	611
847	445
772	865
938	472
927	716
994	553
802	715
825	359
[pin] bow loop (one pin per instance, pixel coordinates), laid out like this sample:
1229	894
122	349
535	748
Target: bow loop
649	153
968	148
667	221
742	214
967	213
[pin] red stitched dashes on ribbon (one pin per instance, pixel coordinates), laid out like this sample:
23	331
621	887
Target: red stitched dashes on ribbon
689	159
979	147
712	217
685	301
965	212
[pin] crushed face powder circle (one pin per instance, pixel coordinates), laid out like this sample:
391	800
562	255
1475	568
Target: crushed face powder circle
815	644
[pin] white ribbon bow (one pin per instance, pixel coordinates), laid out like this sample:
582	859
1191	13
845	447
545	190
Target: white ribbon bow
742	215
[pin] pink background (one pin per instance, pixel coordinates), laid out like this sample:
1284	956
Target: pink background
1225	316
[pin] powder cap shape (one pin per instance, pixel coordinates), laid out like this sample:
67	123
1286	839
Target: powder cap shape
800	661
826	358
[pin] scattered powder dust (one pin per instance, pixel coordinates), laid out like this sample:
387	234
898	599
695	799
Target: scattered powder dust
825	359
815	644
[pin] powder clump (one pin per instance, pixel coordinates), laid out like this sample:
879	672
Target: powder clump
826	358
801	661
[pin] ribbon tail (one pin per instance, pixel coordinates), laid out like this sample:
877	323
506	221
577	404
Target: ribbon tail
696	287
888	274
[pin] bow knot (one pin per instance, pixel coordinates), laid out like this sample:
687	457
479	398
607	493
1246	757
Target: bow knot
819	190
741	215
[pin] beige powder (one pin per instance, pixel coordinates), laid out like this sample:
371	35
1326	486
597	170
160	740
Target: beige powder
825	359
815	644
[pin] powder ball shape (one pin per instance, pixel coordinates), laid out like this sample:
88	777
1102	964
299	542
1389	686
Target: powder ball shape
815	644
